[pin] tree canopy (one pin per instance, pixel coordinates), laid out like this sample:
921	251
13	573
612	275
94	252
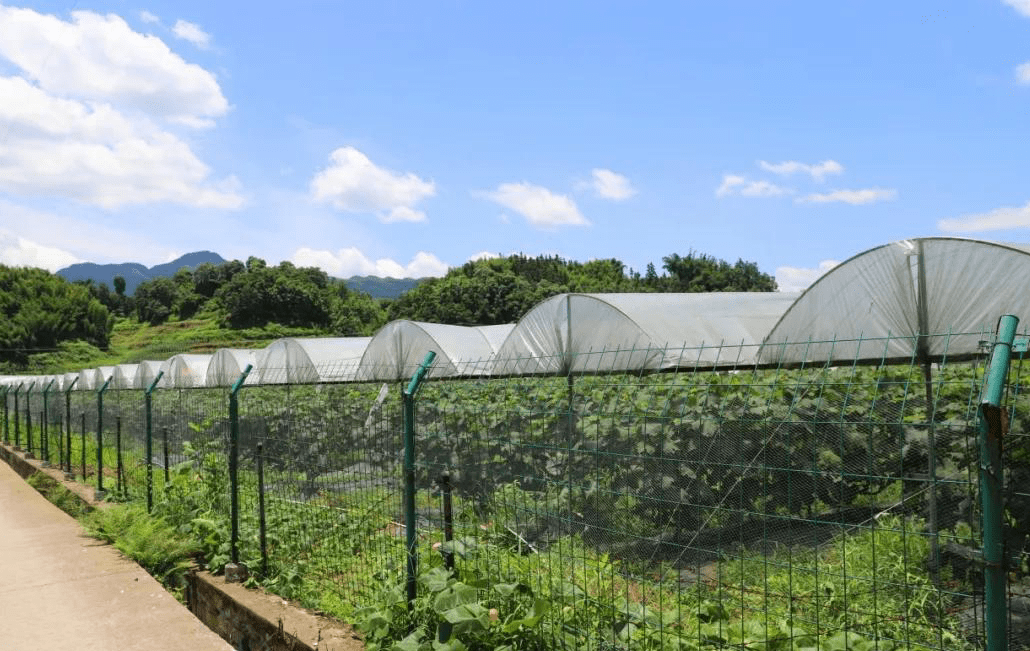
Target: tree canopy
254	294
39	311
501	290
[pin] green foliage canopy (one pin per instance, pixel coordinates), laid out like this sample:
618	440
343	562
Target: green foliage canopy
501	290
39	310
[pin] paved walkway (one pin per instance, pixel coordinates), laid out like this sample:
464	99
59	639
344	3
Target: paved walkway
61	590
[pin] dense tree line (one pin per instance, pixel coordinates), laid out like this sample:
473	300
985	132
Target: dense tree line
501	290
253	294
39	310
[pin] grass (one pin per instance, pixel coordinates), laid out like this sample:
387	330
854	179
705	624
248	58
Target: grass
132	342
164	551
60	496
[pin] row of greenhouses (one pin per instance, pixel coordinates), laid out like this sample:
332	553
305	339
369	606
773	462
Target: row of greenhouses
877	305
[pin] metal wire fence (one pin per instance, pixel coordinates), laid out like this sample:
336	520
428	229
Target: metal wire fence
830	504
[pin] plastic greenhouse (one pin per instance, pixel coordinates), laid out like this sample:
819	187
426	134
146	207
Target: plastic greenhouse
228	364
888	296
87	380
629	332
308	361
146	371
185	371
124	376
400	346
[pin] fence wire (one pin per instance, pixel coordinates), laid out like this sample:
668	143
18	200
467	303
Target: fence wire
738	508
820	504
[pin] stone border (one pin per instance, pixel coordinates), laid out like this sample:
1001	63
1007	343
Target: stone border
251	620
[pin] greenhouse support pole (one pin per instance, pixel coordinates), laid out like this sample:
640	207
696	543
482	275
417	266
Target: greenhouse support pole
923	354
234	573
100	440
409	474
17	430
68	420
28	420
43	423
992	425
148	414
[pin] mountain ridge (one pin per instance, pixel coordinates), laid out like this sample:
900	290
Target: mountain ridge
135	273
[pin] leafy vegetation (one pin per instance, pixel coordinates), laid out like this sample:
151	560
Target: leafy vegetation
600	515
39	311
501	290
160	548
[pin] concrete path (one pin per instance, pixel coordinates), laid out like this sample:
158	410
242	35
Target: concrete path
61	590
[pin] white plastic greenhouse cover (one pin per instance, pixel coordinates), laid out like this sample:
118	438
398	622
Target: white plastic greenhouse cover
87	379
632	332
146	371
310	361
66	381
228	364
102	374
124	376
870	307
185	371
399	347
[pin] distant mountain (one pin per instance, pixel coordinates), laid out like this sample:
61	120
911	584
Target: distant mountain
381	287
133	272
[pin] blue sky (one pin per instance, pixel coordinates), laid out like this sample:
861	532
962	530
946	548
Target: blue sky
398	138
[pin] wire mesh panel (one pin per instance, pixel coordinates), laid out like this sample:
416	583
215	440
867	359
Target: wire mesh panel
125	433
1016	463
824	505
331	489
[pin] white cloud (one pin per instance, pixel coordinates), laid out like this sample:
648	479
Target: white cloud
352	262
611	185
1023	73
100	58
733	184
354	184
1022	6
539	205
817	171
483	255
148	17
999	219
16	251
92	153
796	279
853	197
85	237
192	32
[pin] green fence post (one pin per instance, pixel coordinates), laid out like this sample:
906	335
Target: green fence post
7	431
992	426
68	434
17	425
409	473
43	423
100	493
234	573
28	420
150	440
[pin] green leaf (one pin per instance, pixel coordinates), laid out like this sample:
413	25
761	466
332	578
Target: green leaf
436	579
468	617
453	644
508	589
411	643
453	596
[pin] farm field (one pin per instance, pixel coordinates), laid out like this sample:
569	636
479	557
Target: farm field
785	508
